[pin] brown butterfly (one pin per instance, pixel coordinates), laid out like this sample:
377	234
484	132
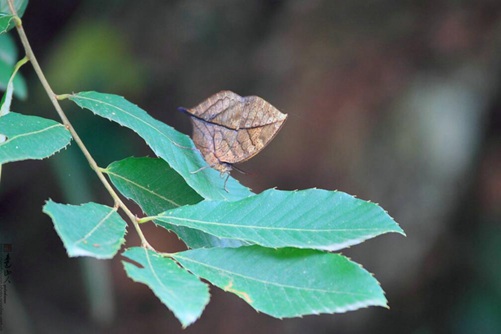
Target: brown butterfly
229	129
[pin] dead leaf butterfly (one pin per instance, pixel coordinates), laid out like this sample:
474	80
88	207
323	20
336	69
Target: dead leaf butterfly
229	129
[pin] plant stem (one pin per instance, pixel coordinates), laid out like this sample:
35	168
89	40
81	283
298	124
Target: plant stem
146	219
54	99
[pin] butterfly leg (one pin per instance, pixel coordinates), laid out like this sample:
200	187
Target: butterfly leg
200	169
184	147
225	181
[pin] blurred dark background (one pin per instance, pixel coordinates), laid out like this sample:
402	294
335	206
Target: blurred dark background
395	102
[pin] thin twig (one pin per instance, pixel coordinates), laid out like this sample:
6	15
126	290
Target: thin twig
54	99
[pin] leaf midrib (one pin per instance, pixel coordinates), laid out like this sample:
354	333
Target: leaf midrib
15	137
285	286
270	228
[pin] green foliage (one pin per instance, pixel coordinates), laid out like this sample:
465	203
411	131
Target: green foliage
152	183
286	282
8	50
174	147
6	22
6	19
156	187
30	137
9	91
19	5
312	218
90	229
270	249
180	291
8	58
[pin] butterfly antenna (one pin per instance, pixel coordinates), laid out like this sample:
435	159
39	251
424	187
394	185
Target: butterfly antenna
240	170
183	110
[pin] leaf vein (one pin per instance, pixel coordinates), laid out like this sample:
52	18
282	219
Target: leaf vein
94	229
113	106
165	288
10	139
279	285
270	228
143	188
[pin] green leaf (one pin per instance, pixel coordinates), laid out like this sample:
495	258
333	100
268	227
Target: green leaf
19	5
181	292
19	83
30	137
89	229
167	143
6	22
8	57
312	218
7	97
151	183
8	50
287	282
156	187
